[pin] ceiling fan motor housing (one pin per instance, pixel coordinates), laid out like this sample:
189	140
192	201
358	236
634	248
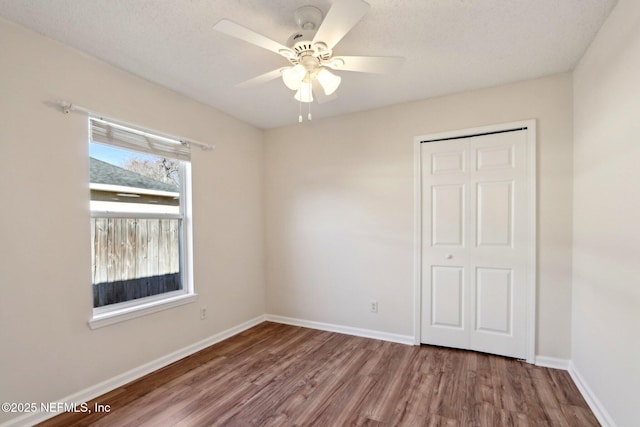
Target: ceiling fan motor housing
308	19
301	42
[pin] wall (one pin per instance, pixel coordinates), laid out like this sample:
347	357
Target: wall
338	199
606	279
47	350
339	208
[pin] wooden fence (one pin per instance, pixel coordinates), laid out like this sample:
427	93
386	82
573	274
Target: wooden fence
134	258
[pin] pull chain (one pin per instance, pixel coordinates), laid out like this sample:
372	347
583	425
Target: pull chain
309	115
300	111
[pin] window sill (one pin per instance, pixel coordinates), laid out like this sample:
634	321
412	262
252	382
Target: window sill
100	320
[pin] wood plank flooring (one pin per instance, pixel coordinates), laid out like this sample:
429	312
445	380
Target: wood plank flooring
279	375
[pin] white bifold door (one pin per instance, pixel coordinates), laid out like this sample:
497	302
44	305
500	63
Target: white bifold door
477	242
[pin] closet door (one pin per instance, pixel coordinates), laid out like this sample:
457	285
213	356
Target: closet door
445	250
475	242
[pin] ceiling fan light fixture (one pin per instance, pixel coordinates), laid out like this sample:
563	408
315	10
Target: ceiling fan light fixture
328	81
304	94
293	76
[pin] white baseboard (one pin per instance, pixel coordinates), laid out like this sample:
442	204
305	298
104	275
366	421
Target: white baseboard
348	330
122	379
552	362
594	403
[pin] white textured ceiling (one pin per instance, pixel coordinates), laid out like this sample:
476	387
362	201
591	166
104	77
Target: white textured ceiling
449	45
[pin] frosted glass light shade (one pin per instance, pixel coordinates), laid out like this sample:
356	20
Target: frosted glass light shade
304	94
328	81
293	76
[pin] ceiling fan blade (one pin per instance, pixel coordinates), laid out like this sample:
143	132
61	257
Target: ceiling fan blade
341	18
262	78
319	94
232	29
366	64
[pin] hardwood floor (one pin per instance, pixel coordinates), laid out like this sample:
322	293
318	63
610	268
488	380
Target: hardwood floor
279	375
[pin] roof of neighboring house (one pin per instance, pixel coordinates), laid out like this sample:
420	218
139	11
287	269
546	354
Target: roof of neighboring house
105	173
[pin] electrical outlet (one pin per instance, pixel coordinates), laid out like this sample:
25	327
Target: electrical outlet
373	307
203	313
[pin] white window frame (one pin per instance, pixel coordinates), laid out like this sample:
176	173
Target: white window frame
119	312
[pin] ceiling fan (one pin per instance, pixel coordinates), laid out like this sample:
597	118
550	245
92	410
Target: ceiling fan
310	50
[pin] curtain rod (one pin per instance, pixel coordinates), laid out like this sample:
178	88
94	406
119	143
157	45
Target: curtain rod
68	107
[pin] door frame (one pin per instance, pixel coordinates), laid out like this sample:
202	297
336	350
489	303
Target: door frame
531	284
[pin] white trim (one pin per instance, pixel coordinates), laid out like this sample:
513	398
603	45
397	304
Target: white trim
186	210
417	242
125	378
598	409
552	362
348	330
532	176
532	141
135	309
596	406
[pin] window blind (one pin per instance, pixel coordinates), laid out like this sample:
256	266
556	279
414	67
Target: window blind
106	132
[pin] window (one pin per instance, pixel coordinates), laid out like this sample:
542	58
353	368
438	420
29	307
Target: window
140	245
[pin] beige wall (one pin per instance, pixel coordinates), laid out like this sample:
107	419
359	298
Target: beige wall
339	207
47	351
338	215
606	281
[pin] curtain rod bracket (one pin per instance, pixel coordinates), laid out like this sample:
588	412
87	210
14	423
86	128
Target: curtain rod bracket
66	106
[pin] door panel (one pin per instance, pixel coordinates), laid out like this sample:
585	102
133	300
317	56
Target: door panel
447	300
493	300
447	221
495	157
447	162
495	213
475	239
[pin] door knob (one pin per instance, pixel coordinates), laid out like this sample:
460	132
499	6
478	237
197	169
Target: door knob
449	256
